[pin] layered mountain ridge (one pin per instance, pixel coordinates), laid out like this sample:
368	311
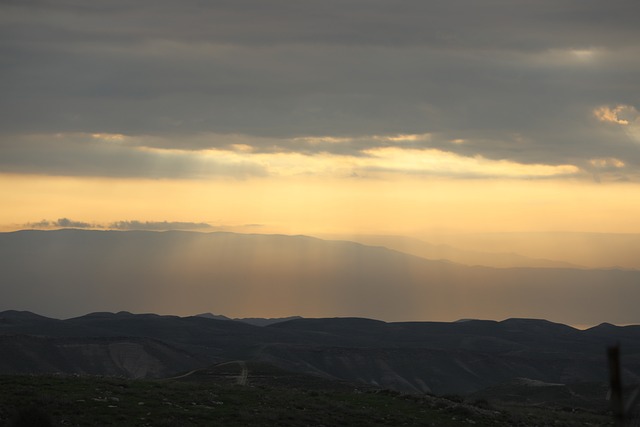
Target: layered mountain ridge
66	272
435	357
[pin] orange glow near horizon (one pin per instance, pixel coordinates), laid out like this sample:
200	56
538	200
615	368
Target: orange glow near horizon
406	206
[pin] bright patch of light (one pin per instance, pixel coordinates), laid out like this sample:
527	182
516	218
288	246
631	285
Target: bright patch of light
245	148
115	137
582	54
563	58
314	140
436	162
237	157
609	162
382	162
404	137
620	114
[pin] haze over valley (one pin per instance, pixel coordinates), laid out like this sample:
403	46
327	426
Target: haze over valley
65	273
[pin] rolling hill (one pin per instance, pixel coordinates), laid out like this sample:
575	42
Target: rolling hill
418	357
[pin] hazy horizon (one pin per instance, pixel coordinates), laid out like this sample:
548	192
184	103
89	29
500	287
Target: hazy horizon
70	272
595	250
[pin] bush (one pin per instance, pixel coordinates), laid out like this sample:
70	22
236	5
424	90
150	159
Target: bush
31	416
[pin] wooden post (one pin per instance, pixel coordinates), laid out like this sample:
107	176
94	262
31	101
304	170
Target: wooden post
617	405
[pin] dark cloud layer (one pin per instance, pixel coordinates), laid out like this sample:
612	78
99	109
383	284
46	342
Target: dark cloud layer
515	80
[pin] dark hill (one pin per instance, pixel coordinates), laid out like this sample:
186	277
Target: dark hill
457	357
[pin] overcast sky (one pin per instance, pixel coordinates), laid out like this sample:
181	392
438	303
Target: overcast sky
257	89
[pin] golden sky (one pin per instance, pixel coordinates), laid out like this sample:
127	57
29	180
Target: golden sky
333	118
406	205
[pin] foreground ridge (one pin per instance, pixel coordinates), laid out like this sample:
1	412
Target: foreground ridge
414	357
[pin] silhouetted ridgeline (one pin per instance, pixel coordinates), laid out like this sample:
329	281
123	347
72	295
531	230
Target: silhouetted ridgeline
458	357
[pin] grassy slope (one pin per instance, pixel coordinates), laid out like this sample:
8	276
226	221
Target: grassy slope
85	401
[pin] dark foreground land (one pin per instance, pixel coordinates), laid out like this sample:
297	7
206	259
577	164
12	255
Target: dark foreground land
232	395
305	372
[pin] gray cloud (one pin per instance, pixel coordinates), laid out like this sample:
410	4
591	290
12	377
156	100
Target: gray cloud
84	154
373	22
60	223
516	80
158	225
126	225
66	222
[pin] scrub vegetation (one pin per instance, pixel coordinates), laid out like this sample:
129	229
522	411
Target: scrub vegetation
87	401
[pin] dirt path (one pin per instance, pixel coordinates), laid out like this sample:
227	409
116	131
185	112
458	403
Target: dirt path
244	373
183	375
241	379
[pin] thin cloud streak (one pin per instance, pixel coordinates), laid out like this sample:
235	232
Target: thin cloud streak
138	225
120	225
111	155
59	223
369	156
158	225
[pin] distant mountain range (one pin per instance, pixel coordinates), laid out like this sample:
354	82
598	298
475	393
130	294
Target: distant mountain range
65	273
485	258
592	250
256	321
458	357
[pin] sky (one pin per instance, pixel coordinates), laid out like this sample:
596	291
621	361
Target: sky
389	117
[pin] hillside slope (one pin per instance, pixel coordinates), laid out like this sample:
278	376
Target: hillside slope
436	357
